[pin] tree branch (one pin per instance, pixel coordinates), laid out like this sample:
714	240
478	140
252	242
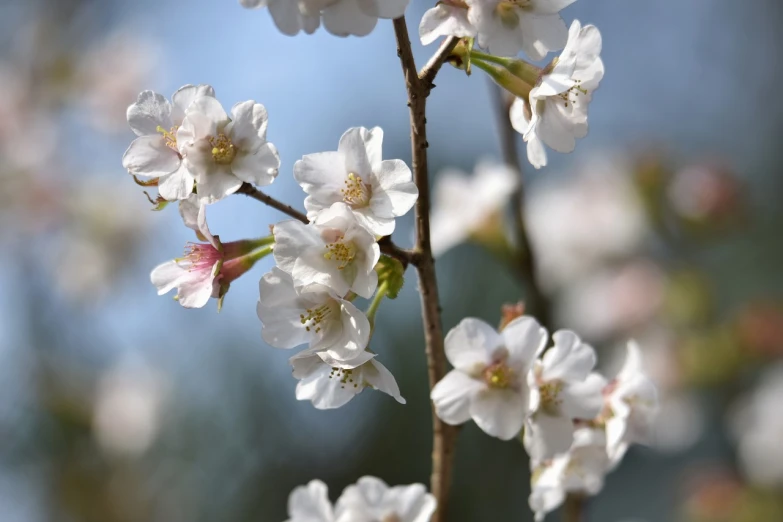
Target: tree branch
249	190
429	71
524	263
418	88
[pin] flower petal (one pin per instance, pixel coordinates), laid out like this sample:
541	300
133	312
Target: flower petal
149	157
500	413
524	338
259	168
451	397
548	435
151	110
217	185
569	359
469	345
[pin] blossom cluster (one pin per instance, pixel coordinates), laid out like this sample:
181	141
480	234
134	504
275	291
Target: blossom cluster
575	424
369	500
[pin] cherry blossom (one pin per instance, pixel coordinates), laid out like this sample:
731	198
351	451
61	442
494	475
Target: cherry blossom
222	152
315	316
290	16
505	27
632	402
372	500
329	384
155	154
563	389
581	470
555	112
334	251
310	503
376	190
447	18
466	206
489	379
207	269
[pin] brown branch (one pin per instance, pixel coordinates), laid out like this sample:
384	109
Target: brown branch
429	71
249	190
524	263
418	88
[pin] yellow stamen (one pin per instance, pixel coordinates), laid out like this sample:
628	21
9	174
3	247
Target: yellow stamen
223	150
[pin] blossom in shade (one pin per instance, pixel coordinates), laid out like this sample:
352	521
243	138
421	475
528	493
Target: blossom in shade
316	316
466	207
562	389
376	190
489	379
372	500
207	269
310	503
581	470
222	152
329	384
155	153
447	18
290	16
505	27
632	403
555	113
334	251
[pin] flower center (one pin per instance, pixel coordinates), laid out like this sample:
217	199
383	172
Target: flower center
200	256
498	375
345	376
356	193
570	96
315	316
223	150
391	517
507	12
550	396
341	252
169	137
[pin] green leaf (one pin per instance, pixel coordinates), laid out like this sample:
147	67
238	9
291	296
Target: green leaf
390	271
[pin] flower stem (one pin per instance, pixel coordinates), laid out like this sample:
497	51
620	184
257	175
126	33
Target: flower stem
261	253
376	302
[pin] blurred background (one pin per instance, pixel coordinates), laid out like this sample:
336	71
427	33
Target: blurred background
117	405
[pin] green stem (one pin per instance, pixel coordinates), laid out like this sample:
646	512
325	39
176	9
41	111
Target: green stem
254	256
505	79
376	302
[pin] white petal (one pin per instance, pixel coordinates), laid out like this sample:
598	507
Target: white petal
322	176
151	110
292	238
500	413
259	168
149	157
316	386
524	338
176	186
542	34
310	503
569	359
445	20
451	397
548	435
583	400
361	147
470	344
248	125
384	8
346	18
398	192
195	293
380	378
184	96
536	153
278	308
217	185
287	16
165	276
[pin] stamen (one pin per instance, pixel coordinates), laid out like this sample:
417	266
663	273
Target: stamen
341	252
356	193
345	376
573	91
498	375
223	150
315	317
550	396
169	137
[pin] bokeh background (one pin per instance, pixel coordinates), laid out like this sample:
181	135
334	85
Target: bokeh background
117	405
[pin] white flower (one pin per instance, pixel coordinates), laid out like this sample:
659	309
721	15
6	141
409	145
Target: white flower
758	426
291	16
334	251
447	18
372	500
556	112
316	316
632	400
465	205
581	470
155	154
207	269
376	190
562	389
223	152
507	26
331	384
340	17
488	382
310	503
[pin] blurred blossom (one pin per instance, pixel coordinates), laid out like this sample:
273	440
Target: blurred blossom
714	496
760	328
465	206
704	193
103	229
128	408
757	424
112	73
578	222
613	301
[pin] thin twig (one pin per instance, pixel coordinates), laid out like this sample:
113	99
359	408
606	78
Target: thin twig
524	263
429	71
249	190
418	88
